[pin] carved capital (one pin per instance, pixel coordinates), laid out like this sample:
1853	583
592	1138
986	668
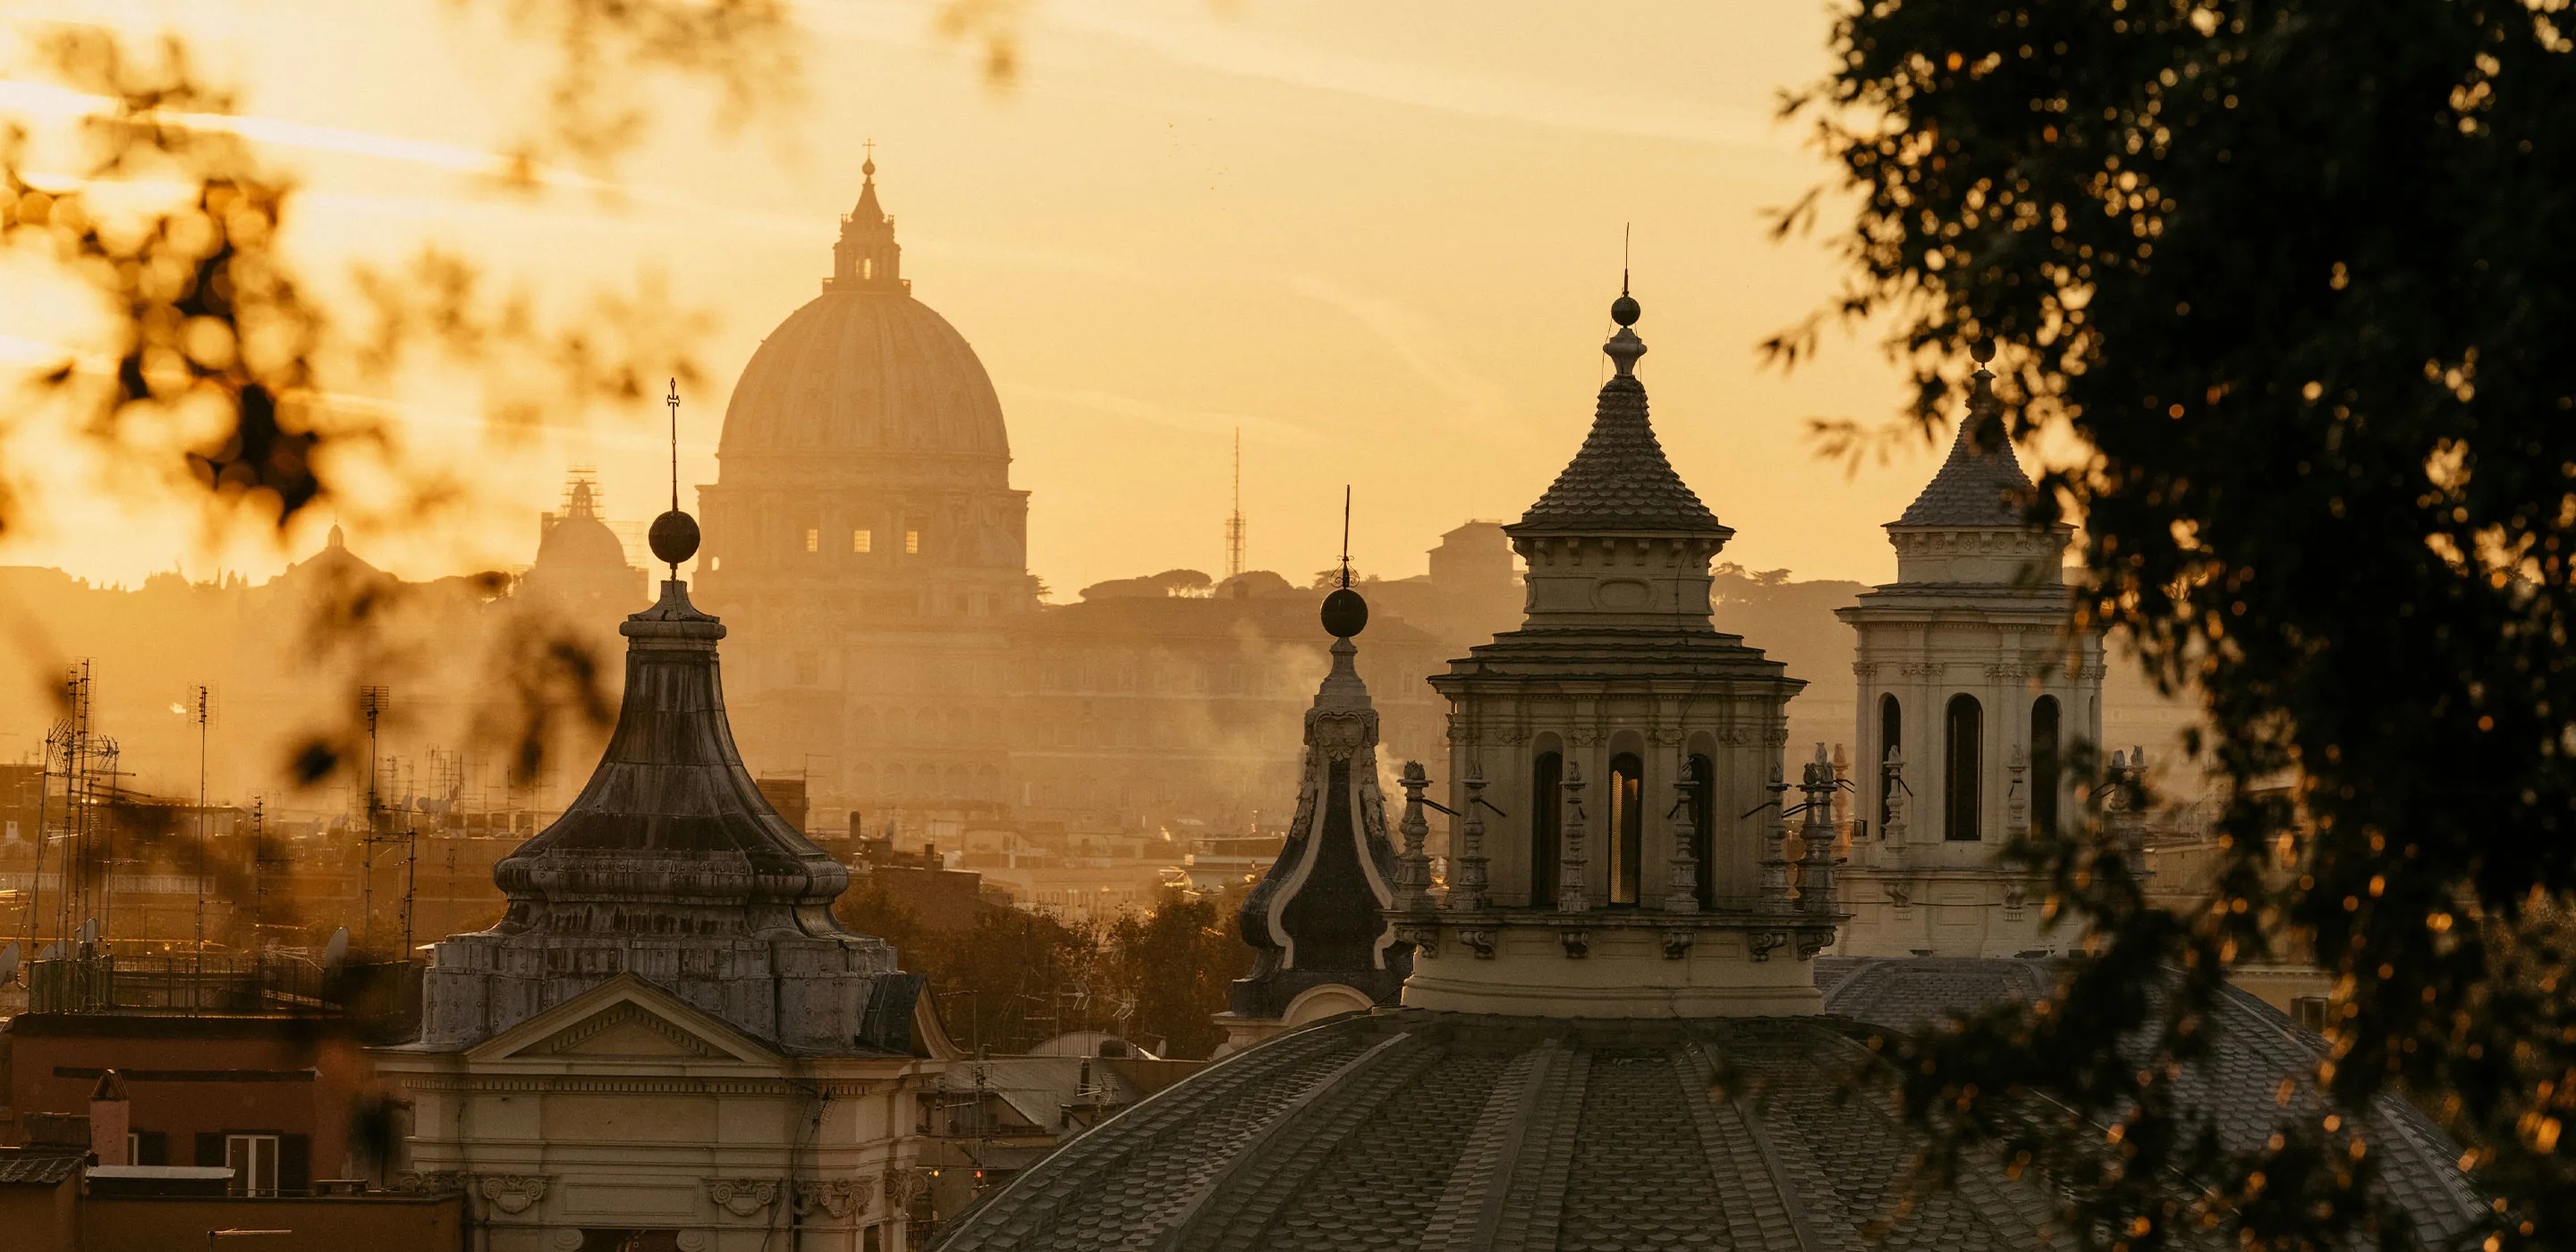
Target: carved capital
1425	939
840	1198
512	1193
742	1197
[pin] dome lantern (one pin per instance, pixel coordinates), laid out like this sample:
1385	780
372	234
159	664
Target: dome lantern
867	258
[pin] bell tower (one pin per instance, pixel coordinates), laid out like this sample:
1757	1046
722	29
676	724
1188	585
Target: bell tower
1619	839
1974	690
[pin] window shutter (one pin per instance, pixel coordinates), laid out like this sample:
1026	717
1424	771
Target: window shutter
152	1147
294	1164
210	1147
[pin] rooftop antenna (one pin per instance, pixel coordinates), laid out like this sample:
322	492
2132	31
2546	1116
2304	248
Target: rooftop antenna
673	400
1234	521
1346	536
1626	230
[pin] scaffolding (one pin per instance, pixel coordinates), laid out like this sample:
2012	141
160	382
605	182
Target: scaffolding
85	761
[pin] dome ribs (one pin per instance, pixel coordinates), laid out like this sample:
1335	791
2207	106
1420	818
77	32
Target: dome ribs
1471	1204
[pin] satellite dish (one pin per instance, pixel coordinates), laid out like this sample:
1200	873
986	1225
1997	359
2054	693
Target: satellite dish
9	963
89	932
336	951
51	952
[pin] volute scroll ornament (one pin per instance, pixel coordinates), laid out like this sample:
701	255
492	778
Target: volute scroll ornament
839	1198
743	1197
512	1193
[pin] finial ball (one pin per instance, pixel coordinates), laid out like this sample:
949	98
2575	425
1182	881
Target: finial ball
1345	613
1983	350
674	537
1624	310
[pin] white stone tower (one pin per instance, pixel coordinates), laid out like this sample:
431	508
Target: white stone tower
1620	846
1974	692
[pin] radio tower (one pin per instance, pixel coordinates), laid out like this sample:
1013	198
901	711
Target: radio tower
1234	521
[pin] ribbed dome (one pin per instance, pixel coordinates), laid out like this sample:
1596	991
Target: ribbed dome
1454	1132
864	371
1459	1133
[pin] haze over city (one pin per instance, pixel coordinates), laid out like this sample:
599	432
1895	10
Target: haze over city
1075	625
1357	236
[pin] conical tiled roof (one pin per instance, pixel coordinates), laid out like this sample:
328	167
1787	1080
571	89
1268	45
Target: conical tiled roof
1619	480
1982	484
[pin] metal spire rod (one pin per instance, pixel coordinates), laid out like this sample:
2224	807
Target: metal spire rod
1346	535
673	400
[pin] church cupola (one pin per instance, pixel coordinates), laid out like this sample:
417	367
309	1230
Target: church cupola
1620	839
867	258
1975	685
672	867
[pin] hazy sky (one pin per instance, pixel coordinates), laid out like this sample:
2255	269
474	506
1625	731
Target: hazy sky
1381	239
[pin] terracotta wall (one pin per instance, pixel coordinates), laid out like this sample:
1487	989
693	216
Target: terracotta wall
195	1078
321	1224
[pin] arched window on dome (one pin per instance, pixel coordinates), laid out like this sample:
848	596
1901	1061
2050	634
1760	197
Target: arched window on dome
1963	759
1547	814
2043	764
1627	827
1891	736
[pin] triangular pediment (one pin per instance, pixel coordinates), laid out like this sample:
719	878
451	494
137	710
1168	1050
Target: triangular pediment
625	1030
625	1018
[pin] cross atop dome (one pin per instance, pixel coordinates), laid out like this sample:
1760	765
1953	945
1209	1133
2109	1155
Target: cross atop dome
867	258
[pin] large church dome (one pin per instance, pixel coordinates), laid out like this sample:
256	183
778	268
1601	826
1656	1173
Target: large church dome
864	371
864	367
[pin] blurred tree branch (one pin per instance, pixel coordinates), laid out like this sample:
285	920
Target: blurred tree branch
2297	271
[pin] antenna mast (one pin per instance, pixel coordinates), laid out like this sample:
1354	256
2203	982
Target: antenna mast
1234	521
673	400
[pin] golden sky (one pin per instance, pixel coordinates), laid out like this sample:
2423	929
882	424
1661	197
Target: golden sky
1380	239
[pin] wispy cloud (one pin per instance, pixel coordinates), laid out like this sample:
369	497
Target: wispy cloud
1261	429
1190	34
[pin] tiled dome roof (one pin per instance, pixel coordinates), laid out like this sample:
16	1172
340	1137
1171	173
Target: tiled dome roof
1447	1131
1413	1129
1620	480
1982	484
2236	1086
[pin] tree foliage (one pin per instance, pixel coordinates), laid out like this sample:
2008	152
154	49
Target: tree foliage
1013	979
2297	272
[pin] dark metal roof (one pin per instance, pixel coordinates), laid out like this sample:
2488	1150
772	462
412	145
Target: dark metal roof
671	835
